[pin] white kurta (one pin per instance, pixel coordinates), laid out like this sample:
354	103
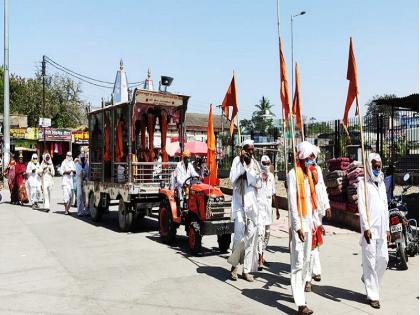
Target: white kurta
244	212
265	214
48	173
67	182
181	174
323	204
375	254
300	251
34	182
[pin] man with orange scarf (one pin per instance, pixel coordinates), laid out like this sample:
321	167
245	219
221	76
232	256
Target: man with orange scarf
303	218
324	209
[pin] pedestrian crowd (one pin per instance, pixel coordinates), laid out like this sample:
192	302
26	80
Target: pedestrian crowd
252	199
33	182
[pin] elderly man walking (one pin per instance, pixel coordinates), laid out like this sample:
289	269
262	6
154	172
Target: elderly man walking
323	210
303	217
375	231
245	178
266	198
68	170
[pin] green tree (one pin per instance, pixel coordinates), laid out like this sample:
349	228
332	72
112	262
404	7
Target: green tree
62	99
262	118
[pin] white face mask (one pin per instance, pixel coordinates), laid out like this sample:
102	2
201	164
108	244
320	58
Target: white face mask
69	158
264	168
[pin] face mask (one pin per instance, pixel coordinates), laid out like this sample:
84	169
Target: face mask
376	173
308	163
264	168
68	158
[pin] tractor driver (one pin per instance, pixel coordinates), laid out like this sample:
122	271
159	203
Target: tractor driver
184	169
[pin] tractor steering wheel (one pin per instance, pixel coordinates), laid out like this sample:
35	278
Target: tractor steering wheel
189	180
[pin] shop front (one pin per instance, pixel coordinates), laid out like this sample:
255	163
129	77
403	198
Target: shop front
80	140
57	143
24	140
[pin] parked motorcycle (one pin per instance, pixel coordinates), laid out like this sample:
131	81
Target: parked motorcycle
404	232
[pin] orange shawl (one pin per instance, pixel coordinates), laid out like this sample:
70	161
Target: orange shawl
301	197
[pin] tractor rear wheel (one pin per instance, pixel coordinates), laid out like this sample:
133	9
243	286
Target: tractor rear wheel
224	242
125	216
194	238
167	227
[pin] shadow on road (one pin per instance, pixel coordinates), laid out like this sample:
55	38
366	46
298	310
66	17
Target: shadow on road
181	246
338	294
271	298
110	221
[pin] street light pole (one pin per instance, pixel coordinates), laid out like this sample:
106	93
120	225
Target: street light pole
291	32
6	110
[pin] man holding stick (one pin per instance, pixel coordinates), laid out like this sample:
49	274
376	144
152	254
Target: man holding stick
303	216
375	234
246	181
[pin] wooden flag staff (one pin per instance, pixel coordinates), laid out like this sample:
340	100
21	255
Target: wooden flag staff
365	173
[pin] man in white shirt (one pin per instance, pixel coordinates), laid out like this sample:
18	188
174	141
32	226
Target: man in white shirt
246	180
324	209
303	218
374	224
266	198
184	169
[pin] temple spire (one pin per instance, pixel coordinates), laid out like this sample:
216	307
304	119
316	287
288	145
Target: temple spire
148	83
120	92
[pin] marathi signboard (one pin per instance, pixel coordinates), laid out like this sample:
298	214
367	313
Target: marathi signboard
156	98
80	137
55	134
24	133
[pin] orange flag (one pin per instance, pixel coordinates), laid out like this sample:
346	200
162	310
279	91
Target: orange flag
284	86
230	101
353	88
296	110
211	149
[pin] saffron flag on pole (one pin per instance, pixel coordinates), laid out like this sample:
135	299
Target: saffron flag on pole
296	110
230	101
284	86
353	88
211	150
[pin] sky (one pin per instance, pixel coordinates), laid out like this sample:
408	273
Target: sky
201	43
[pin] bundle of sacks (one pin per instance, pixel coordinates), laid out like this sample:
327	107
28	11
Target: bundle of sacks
336	182
354	175
340	163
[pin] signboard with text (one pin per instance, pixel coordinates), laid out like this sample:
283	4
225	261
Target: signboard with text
24	133
55	134
80	137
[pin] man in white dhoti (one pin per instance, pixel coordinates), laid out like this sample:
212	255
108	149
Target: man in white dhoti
246	180
67	170
48	172
324	209
34	181
266	198
303	218
375	231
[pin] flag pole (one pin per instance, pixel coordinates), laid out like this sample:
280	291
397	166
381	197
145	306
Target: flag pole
282	109
362	140
237	114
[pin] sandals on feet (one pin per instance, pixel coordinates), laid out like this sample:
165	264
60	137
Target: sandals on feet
304	310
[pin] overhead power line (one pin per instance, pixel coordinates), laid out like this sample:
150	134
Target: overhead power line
85	78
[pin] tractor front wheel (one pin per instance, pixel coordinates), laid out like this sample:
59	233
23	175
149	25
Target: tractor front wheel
194	238
167	227
224	242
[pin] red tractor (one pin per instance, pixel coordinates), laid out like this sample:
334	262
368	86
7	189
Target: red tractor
203	211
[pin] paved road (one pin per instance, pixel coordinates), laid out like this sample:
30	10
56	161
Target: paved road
56	264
